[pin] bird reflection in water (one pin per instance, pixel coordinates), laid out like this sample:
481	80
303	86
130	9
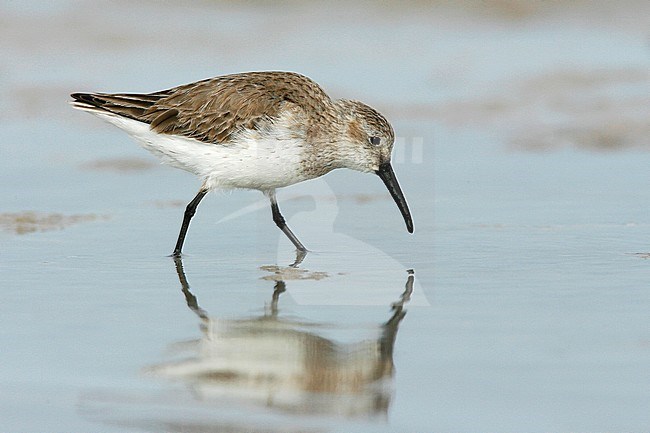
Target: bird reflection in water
288	364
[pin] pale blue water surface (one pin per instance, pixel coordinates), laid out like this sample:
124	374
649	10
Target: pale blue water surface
520	303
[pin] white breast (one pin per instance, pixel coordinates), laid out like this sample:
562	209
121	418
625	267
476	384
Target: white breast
266	159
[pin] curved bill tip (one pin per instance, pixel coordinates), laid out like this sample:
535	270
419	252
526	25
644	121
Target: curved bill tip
387	175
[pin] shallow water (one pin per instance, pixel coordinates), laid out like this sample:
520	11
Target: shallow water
519	304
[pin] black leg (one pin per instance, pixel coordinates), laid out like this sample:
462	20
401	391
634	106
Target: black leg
190	210
281	223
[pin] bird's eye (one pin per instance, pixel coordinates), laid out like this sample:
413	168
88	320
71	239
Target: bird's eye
375	141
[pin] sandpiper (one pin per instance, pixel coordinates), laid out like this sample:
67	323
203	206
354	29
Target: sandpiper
254	130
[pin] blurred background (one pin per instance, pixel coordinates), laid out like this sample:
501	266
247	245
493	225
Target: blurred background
519	304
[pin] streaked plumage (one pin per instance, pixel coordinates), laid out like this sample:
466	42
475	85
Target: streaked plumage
256	130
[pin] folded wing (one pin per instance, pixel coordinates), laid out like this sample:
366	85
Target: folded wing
213	110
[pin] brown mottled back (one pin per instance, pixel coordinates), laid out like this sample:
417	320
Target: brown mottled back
213	110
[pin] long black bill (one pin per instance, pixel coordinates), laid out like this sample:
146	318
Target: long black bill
386	174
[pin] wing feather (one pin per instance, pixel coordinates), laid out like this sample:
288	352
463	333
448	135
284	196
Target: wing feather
213	110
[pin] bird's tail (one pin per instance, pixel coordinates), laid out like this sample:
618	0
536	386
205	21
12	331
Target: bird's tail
131	105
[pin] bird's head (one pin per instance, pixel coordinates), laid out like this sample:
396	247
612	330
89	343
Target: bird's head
366	146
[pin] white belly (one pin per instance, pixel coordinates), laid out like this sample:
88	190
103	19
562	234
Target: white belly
255	160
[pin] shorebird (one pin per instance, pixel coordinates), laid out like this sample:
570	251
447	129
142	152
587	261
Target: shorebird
253	130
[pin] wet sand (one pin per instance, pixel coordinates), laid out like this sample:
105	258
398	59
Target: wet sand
519	304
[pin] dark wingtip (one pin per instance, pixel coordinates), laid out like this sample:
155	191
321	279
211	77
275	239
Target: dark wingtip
84	97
